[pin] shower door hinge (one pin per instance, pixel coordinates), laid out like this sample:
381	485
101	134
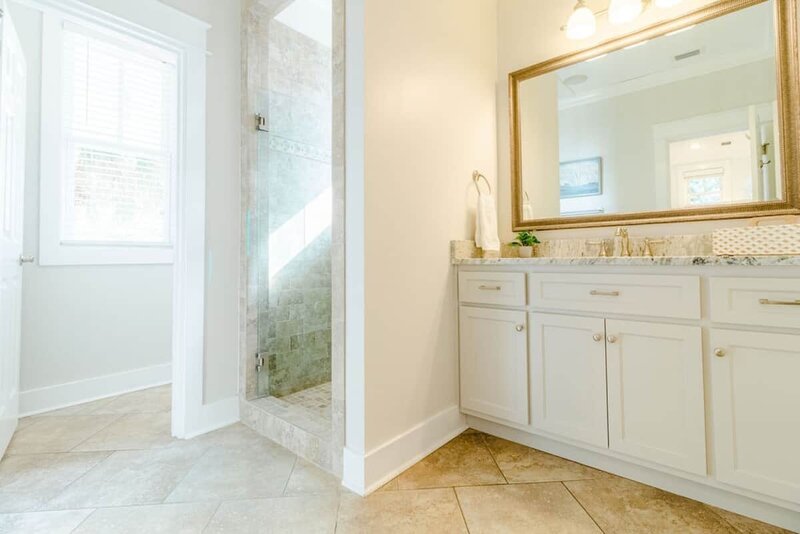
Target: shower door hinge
260	361
261	123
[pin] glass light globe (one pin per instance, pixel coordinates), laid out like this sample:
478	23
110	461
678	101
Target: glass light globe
667	3
624	11
581	23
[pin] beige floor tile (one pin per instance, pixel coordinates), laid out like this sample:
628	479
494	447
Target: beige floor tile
130	478
523	464
622	506
237	473
285	515
745	525
524	508
401	512
153	400
189	518
132	432
24	422
87	408
42	522
464	461
392	485
57	434
27	482
236	435
308	479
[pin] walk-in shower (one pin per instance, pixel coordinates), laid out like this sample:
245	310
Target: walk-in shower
289	194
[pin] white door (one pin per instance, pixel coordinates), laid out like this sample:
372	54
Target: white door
12	180
656	407
568	377
756	401
494	363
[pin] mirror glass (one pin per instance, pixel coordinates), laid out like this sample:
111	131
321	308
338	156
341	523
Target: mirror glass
685	120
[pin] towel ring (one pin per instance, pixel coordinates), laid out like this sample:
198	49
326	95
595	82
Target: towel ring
476	176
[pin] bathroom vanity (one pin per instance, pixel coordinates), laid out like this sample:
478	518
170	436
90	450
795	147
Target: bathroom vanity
679	372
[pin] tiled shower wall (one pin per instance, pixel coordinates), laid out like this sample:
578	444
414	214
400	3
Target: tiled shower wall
294	179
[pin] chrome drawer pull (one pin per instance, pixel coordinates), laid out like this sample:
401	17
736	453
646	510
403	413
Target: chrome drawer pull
490	288
596	293
768	302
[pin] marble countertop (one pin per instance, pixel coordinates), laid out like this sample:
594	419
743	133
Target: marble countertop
637	261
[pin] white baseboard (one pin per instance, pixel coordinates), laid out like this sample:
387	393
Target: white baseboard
364	474
214	416
36	401
692	489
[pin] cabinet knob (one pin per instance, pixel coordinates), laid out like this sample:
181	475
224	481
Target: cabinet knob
519	328
598	337
720	353
612	339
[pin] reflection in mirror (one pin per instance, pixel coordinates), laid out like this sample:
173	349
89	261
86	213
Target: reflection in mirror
685	120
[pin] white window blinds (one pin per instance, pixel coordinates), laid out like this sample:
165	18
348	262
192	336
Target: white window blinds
119	141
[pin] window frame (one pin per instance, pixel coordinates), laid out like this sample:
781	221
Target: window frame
53	250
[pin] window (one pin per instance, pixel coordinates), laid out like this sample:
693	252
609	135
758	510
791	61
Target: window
110	198
702	190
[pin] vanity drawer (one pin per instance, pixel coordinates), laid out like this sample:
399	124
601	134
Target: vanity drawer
502	289
756	301
658	296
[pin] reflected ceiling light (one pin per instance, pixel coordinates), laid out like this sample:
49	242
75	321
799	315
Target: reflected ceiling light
624	11
667	3
581	23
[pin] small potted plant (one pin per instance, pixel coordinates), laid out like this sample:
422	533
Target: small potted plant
525	243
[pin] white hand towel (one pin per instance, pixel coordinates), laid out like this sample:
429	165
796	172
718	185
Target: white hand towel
486	225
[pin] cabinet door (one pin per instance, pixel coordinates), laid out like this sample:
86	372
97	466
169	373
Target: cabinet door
494	363
756	401
568	377
656	407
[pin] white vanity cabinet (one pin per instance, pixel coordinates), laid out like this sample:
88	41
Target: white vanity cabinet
656	407
692	376
755	387
494	363
568	377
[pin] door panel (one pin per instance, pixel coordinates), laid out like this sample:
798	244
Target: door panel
12	180
756	407
655	393
494	363
568	377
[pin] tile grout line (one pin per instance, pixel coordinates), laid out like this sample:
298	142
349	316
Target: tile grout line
461	509
114	420
90	514
724	519
489	449
582	507
291	472
211	517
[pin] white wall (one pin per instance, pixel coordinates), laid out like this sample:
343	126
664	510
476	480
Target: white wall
80	323
429	120
223	208
86	322
528	33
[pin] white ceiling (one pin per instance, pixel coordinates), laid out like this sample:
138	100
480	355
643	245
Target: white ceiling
736	39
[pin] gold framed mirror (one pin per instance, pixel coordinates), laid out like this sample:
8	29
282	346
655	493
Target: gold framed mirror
694	118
